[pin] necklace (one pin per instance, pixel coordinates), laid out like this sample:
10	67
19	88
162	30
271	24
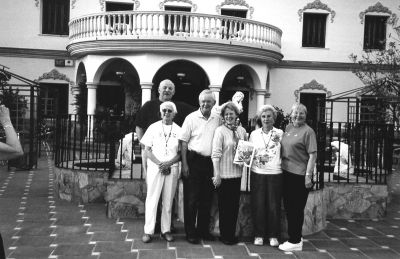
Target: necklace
166	138
262	136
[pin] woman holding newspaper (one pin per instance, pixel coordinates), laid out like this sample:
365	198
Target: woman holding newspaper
227	174
266	178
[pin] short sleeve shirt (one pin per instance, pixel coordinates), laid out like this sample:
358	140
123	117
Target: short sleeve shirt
297	144
198	131
163	140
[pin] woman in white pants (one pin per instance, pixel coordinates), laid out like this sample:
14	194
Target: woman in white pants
162	151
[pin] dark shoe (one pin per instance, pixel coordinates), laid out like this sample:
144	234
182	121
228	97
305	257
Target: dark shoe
146	238
193	240
208	237
230	241
168	237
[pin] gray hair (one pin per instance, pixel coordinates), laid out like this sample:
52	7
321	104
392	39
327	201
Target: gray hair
229	105
298	107
265	108
168	104
166	82
206	92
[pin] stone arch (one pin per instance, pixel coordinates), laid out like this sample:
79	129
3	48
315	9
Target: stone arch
188	76
316	5
312	85
378	8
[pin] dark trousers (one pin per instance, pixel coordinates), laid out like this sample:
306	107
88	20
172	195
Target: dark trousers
295	196
2	251
198	191
228	207
266	198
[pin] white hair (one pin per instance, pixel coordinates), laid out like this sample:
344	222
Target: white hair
168	104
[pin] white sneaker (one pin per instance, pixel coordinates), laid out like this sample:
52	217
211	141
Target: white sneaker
258	241
273	242
288	247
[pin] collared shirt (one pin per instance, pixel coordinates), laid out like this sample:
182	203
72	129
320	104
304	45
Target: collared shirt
198	131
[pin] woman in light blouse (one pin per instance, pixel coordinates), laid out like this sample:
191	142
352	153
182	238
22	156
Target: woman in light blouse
299	153
266	178
162	151
227	174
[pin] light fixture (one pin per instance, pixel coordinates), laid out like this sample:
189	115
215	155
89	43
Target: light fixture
180	75
120	74
240	77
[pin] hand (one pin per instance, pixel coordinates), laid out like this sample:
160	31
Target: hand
308	181
216	181
4	114
185	170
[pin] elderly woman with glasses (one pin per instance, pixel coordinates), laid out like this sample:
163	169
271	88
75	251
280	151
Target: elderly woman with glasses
266	178
227	174
299	153
162	151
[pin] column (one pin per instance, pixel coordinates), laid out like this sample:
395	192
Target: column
260	93
91	108
216	89
146	91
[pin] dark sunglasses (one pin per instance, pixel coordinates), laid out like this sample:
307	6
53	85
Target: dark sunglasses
167	110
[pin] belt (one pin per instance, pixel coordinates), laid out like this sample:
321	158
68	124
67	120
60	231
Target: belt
198	154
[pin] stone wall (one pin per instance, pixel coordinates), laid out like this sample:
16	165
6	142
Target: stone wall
125	198
356	201
80	186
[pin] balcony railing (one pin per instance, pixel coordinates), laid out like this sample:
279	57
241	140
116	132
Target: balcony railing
174	25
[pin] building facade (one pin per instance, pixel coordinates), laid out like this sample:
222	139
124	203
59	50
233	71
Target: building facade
116	52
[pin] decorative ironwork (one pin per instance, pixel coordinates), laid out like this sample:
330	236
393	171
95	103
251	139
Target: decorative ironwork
194	6
236	2
136	4
313	85
54	74
317	4
378	8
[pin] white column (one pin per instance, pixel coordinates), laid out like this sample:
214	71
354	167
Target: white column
260	97
91	108
146	91
216	89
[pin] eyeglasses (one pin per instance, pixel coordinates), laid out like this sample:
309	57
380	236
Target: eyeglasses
167	110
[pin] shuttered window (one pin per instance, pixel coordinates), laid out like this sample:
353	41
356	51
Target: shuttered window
314	30
55	17
375	32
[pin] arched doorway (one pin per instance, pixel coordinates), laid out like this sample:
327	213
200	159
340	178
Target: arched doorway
238	79
119	91
188	77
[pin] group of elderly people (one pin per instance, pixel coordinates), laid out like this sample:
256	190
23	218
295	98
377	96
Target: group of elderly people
205	145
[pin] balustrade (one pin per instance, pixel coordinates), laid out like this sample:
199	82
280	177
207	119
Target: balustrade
134	25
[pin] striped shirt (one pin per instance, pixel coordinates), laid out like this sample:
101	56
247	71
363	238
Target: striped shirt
223	150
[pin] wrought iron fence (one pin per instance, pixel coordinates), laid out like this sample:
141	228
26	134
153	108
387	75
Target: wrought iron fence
354	152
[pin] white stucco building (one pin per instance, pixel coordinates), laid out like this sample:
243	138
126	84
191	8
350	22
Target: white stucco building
276	52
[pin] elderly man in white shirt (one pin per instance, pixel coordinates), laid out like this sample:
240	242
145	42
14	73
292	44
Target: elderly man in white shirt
197	168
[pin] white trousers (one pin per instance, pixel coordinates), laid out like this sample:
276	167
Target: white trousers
158	184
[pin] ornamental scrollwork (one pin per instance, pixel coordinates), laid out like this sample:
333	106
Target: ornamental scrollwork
236	2
317	4
54	74
136	4
378	8
194	6
313	85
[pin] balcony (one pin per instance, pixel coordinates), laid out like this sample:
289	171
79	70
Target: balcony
181	32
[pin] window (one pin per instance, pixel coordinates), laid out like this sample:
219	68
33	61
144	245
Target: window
178	18
375	32
314	30
117	6
55	17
